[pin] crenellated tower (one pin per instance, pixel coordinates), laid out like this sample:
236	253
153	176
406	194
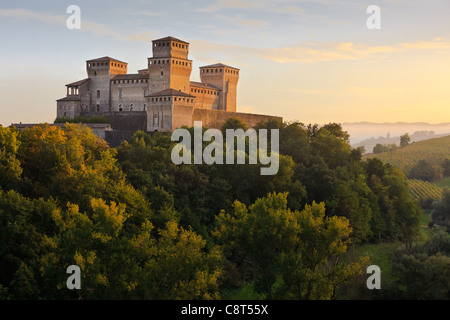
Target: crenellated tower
169	68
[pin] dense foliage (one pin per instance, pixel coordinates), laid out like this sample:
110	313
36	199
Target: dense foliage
142	227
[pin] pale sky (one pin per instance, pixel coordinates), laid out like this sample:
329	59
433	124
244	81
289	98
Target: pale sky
312	61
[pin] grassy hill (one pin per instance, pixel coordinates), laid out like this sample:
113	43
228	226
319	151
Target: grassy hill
407	157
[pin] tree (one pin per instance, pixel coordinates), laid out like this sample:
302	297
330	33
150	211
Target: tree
446	167
311	268
441	211
233	123
379	148
10	168
426	170
405	140
423	270
270	239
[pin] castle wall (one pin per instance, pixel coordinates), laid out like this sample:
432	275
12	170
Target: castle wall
205	98
133	95
67	108
159	116
217	118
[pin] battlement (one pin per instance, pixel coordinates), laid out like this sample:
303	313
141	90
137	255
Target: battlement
170	47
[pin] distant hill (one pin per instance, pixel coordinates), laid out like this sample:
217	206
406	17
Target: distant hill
417	136
407	157
360	131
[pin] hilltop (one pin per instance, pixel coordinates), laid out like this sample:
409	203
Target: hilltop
434	152
407	157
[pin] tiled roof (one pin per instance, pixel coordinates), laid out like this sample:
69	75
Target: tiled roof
219	65
170	39
70	98
170	92
132	76
203	85
106	59
78	83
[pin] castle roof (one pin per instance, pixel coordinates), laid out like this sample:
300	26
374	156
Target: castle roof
106	59
170	39
132	76
78	83
219	65
170	92
70	98
204	85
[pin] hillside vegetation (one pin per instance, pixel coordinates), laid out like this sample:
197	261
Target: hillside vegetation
406	158
425	165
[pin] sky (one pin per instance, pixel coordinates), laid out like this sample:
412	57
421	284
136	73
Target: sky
305	60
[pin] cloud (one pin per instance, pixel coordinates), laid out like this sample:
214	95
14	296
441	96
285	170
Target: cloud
95	28
311	52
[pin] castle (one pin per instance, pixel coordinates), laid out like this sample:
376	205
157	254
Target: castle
159	98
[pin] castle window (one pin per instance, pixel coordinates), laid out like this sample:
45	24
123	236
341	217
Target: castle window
168	99
98	93
164	98
216	70
145	107
95	73
207	70
168	61
145	92
162	73
156	120
131	107
153	99
120	93
98	108
159	61
65	114
163	61
175	99
220	70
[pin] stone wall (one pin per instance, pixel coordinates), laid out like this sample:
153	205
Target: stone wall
216	118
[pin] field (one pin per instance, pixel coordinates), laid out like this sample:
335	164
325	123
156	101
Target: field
407	157
424	190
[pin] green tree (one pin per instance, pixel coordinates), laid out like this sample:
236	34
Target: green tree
405	140
423	270
441	211
272	240
10	168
